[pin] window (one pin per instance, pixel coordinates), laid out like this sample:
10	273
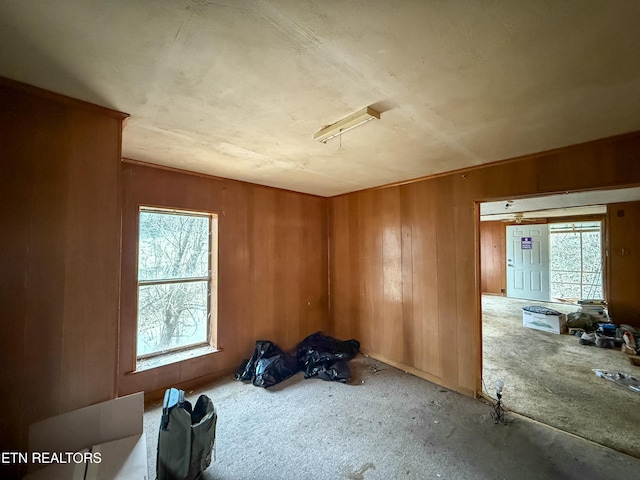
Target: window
576	260
177	254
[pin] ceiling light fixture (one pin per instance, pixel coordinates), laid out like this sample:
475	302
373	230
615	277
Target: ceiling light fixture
347	123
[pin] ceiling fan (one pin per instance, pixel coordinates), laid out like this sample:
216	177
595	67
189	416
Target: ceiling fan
519	218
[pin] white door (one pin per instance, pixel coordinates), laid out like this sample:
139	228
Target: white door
528	262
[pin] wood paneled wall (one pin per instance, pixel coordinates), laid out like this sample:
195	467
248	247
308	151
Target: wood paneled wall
492	257
70	204
272	261
404	260
60	256
623	221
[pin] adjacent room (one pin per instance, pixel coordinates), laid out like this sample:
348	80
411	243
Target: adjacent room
551	377
184	178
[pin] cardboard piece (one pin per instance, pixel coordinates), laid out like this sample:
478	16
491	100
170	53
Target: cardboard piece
111	431
122	459
55	471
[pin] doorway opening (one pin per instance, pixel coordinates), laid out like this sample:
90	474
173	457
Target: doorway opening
549	377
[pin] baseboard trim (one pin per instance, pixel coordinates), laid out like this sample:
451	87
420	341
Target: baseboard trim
469	392
156	395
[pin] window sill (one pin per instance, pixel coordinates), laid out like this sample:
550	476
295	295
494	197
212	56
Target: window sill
173	357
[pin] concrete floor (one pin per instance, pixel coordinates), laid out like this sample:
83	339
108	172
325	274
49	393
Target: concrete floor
386	424
550	377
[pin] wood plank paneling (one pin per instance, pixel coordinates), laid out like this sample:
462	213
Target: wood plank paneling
14	252
91	264
446	266
623	221
467	333
315	290
409	353
371	279
272	280
60	257
439	337
44	321
391	323
235	338
264	267
492	258
425	278
345	275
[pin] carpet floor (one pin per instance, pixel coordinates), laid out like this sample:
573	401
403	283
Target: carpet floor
550	377
385	424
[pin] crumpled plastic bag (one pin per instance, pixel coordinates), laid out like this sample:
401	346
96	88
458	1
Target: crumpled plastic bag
581	320
318	355
275	369
326	357
268	366
632	383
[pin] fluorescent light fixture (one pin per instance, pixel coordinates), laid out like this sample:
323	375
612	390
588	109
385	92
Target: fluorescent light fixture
347	123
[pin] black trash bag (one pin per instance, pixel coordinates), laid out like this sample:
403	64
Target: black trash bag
273	370
268	366
247	370
243	373
326	357
336	372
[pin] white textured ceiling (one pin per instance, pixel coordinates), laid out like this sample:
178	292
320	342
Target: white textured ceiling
237	88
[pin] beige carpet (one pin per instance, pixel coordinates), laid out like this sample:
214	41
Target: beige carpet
549	377
385	425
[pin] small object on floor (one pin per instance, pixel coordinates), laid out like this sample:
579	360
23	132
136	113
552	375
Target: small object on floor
326	357
629	346
318	355
268	366
607	329
581	320
498	411
632	383
603	341
186	438
627	328
587	338
543	318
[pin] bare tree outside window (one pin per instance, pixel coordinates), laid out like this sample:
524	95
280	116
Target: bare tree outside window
576	260
174	280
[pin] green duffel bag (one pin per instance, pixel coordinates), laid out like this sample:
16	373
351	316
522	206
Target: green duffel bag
187	436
